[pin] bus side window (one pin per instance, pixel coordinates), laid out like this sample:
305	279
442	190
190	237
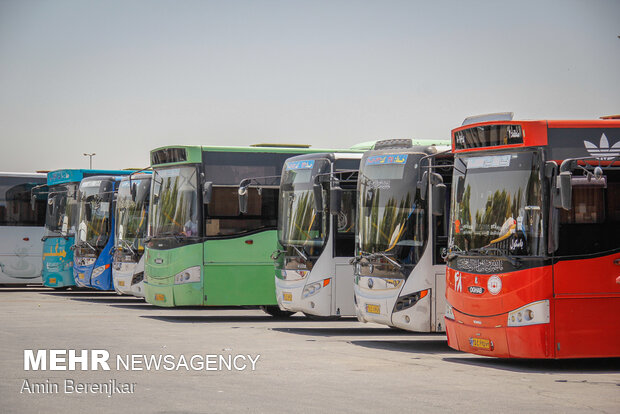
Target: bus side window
592	225
223	217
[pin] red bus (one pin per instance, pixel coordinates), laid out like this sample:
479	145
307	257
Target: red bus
534	247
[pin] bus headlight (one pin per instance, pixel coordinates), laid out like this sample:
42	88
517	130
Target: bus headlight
449	314
407	301
311	289
99	270
189	275
534	313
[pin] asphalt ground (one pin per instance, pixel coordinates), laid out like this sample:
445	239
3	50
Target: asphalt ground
304	365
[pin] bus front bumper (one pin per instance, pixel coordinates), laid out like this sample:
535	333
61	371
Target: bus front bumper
318	300
168	295
58	278
490	336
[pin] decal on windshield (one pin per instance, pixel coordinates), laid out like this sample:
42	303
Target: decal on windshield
387	159
490	161
300	165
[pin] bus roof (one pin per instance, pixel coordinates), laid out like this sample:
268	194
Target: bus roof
76	175
564	138
20	174
188	154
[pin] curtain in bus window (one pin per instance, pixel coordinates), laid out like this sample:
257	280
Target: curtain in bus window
15	202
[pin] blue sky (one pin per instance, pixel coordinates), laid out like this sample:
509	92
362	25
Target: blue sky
122	77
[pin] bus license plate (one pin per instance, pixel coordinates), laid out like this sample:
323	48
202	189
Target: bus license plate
480	343
52	280
287	297
81	276
373	308
121	283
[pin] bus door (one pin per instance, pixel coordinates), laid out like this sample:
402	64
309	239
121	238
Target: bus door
238	269
586	270
344	250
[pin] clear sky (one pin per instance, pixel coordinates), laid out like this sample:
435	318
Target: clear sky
120	78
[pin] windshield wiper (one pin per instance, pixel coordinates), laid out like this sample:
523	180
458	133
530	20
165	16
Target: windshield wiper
388	258
300	252
127	245
82	243
371	256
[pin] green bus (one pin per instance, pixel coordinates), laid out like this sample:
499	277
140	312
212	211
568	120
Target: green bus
200	250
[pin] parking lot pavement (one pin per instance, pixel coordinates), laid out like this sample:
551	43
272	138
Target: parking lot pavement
304	366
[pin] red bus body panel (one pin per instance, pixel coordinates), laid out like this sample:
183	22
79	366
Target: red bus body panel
587	303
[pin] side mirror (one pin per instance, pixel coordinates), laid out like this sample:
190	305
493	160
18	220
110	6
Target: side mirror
423	185
318	197
243	199
134	191
460	188
33	200
438	199
564	190
207	191
88	211
335	198
368	197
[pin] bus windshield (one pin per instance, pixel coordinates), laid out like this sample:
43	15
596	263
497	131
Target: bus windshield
62	209
392	217
497	204
131	222
174	202
94	200
299	224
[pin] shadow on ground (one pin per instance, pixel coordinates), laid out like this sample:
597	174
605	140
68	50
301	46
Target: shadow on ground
417	346
544	366
10	289
229	318
361	331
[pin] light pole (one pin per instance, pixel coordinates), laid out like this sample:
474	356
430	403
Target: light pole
90	159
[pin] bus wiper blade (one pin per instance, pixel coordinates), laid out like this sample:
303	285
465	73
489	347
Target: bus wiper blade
300	252
127	245
90	246
388	258
515	261
362	256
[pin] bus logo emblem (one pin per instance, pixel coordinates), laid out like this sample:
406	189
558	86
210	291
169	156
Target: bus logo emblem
458	283
371	283
603	151
494	285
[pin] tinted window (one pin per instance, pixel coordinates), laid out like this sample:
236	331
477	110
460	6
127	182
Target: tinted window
15	201
229	168
223	217
592	224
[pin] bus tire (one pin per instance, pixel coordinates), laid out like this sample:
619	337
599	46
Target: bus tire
276	312
61	288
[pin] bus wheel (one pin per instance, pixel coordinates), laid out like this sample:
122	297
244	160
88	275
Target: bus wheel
61	288
322	318
276	312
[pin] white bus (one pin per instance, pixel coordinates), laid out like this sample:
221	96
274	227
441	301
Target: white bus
23	200
132	208
401	235
316	229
